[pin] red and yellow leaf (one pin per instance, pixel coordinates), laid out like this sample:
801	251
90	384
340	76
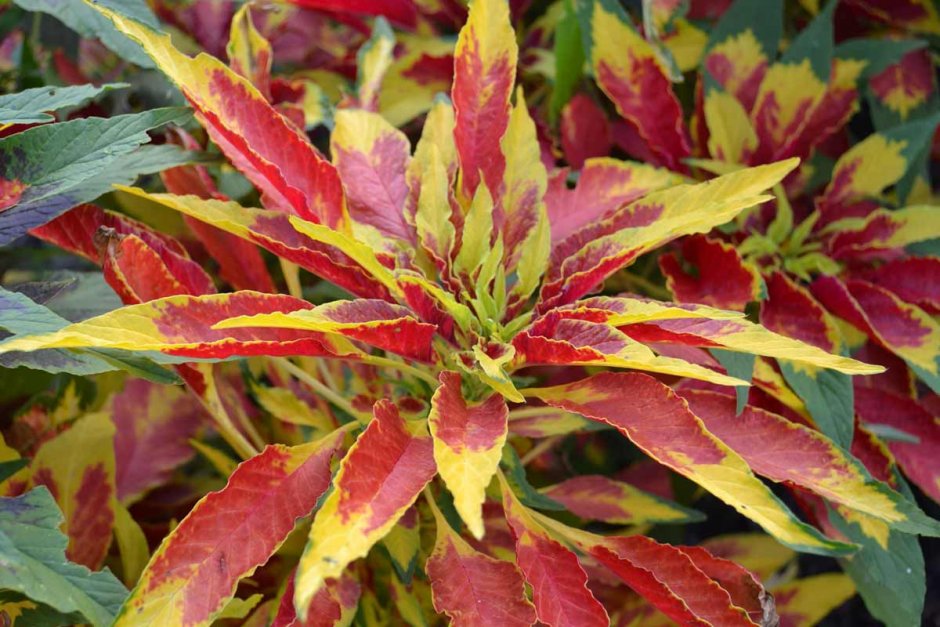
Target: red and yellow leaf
806	601
721	279
757	552
379	479
473	589
484	75
468	444
559	583
629	70
229	533
651	420
260	142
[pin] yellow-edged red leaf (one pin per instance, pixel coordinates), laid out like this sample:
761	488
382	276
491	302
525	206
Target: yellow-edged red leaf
786	451
757	552
596	497
468	444
629	70
261	143
484	75
653	418
379	479
183	326
721	277
559	583
228	534
473	589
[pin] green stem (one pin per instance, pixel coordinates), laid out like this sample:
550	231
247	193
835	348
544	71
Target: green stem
385	362
320	388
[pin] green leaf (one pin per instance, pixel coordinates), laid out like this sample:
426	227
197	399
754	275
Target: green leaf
32	551
89	23
515	475
31	106
569	60
11	467
829	398
63	165
815	42
879	53
891	579
739	366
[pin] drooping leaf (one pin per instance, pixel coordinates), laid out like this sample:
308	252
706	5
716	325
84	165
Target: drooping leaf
33	552
32	106
51	168
651	420
229	533
379	479
468	444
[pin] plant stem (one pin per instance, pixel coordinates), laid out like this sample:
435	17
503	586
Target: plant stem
323	390
385	362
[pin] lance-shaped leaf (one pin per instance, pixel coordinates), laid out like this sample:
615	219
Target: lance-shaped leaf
757	552
473	589
628	69
51	168
261	143
525	227
249	53
324	252
32	106
882	231
182	326
153	428
484	75
560	341
379	479
596	497
721	278
904	329
781	450
373	60
603	185
468	444
653	418
559	583
376	322
682	583
229	533
372	156
78	468
586	258
33	551
875	163
808	600
792	89
878	407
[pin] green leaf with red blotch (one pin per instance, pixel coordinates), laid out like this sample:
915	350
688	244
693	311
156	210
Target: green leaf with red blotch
651	420
379	479
473	589
559	583
596	497
292	176
722	278
786	451
604	184
51	168
687	584
906	330
876	407
327	253
468	444
229	533
583	260
484	76
630	71
375	322
33	553
182	326
77	466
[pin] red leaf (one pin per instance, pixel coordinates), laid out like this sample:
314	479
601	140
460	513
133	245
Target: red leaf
722	279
